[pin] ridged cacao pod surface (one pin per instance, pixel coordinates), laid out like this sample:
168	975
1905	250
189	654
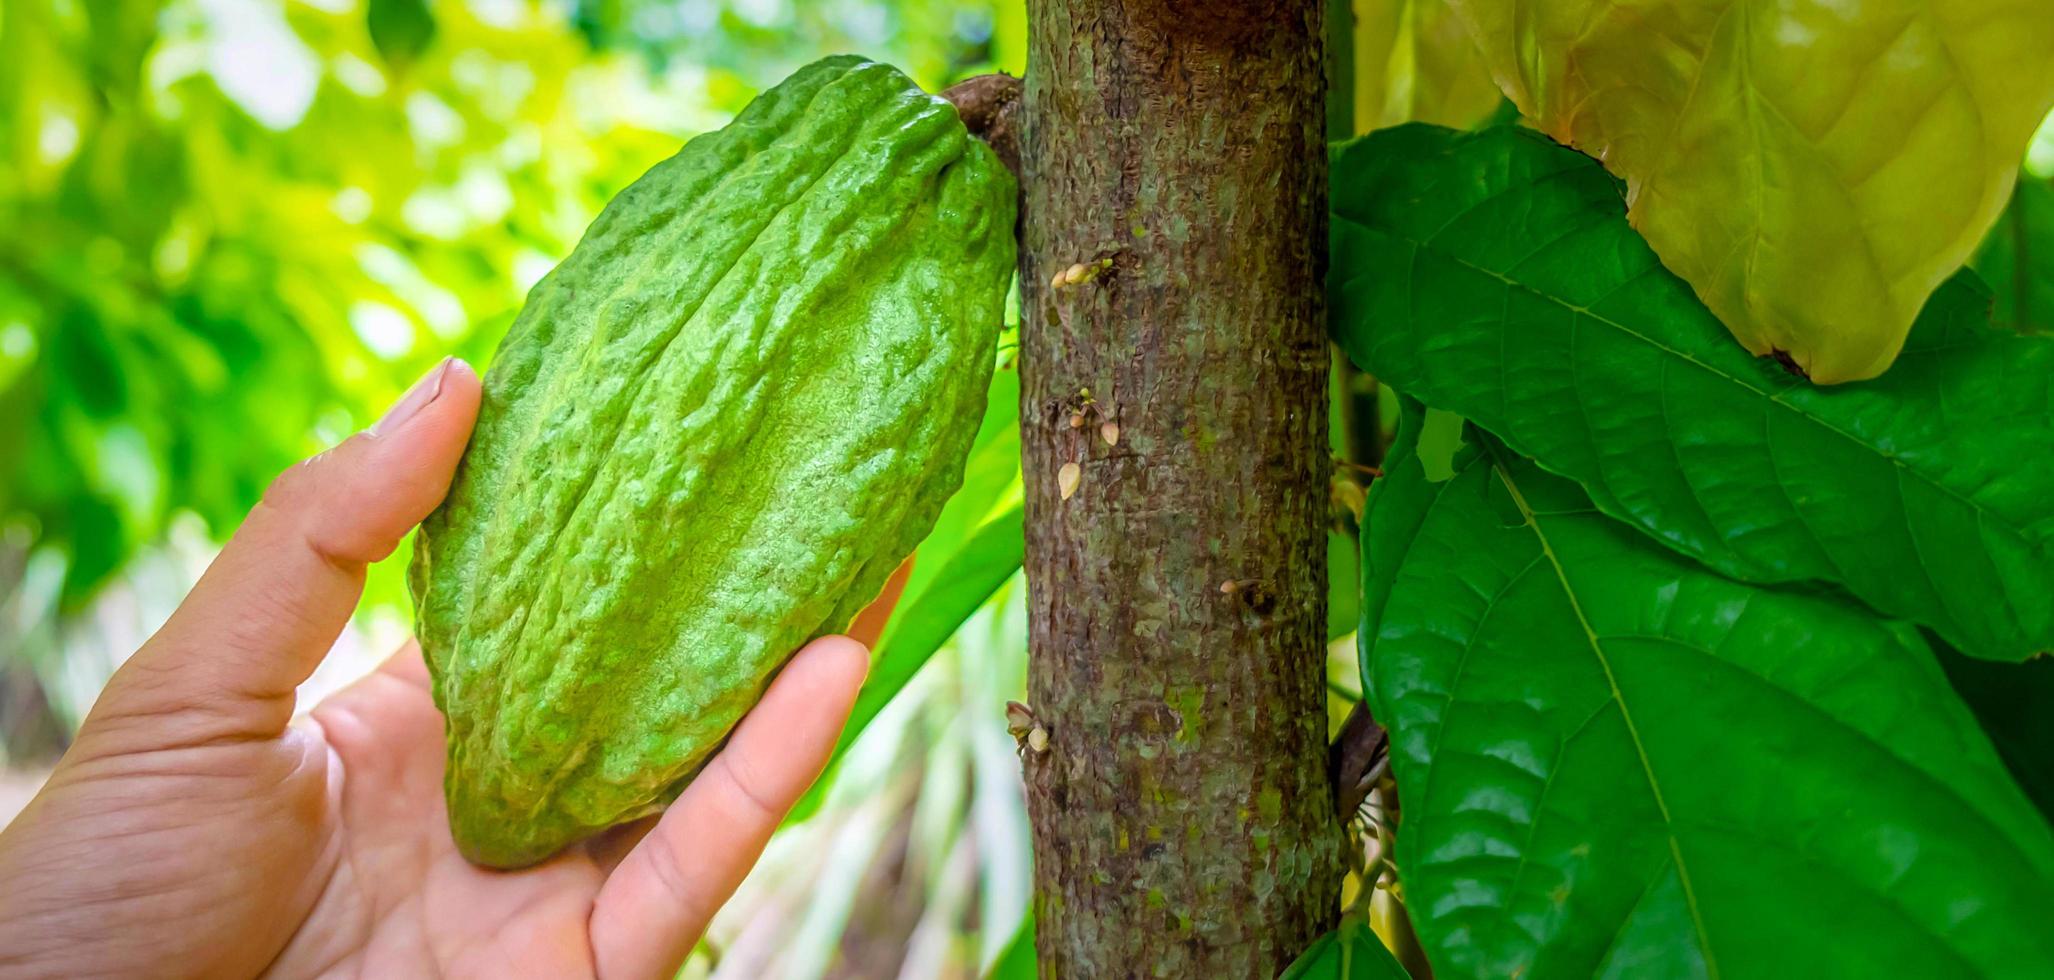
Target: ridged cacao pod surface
708	437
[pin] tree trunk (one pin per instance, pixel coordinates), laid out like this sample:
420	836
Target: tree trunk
1174	180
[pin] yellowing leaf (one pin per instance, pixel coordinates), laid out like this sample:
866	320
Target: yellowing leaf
1813	169
1415	62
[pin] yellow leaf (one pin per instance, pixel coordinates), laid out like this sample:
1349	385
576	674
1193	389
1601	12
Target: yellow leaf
1813	169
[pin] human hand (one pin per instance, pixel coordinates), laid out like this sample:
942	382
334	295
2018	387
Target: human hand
196	829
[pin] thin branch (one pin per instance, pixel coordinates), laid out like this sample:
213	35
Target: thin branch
1355	760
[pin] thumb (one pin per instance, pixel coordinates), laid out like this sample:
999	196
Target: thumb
274	600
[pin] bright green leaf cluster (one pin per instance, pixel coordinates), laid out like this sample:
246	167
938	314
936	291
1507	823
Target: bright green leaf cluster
1495	275
1655	707
1617	762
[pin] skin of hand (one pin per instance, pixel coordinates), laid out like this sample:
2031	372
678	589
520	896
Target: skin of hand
195	828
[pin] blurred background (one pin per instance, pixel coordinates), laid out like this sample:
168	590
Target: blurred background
232	231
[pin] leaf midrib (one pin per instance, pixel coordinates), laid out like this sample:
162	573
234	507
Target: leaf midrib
1501	471
1597	650
1775	398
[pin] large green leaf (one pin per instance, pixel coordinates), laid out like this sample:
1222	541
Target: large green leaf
2017	258
1494	275
2015	703
1814	169
1352	952
1615	762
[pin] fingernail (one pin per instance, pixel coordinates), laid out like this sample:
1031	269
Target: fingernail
417	397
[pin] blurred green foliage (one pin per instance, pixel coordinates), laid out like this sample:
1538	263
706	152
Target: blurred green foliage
235	230
741	43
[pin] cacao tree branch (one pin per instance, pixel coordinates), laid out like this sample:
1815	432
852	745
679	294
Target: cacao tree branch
990	107
1352	760
1173	221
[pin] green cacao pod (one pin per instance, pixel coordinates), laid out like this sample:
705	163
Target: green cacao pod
709	436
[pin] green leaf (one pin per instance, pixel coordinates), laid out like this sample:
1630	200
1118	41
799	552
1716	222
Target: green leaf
1018	962
1342	577
1814	170
2017	257
1352	952
1616	762
1494	275
400	30
2015	703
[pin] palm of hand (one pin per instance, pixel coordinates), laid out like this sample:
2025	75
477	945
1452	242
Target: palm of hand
400	900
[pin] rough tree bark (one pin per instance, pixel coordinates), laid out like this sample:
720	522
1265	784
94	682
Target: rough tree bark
1173	412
